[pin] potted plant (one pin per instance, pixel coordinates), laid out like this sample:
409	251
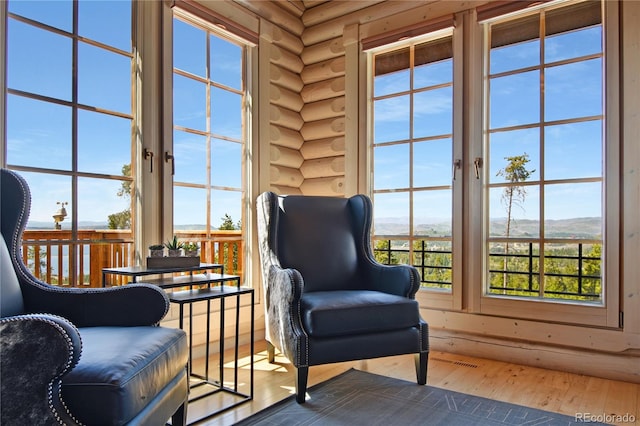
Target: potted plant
174	246
156	250
190	249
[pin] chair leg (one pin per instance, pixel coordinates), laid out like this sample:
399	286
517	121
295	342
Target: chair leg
421	367
271	353
301	384
179	418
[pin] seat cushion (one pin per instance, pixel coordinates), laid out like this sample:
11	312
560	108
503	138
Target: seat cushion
345	312
121	370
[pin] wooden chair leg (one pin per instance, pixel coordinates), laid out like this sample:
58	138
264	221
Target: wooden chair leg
302	373
422	360
271	353
179	418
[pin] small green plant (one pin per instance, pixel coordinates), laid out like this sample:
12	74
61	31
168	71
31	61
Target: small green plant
191	247
174	244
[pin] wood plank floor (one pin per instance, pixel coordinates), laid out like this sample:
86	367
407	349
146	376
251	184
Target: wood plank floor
534	387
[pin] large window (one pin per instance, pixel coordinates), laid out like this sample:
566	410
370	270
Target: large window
412	157
209	134
514	184
69	130
545	154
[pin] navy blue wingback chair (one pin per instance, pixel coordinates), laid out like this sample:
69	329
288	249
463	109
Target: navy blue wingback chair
326	298
81	356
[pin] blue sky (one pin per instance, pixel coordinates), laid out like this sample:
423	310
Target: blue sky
39	133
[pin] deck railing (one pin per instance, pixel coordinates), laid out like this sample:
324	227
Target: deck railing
47	253
581	283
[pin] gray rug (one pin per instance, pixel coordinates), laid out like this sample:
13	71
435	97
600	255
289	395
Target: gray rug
360	398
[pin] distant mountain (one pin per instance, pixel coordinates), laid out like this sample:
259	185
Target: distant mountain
580	227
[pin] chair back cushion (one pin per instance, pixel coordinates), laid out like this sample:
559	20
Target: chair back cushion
11	302
316	236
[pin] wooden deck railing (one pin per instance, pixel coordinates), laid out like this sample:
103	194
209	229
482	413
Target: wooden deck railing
46	253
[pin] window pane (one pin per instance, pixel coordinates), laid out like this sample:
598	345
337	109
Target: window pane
57	14
514	212
38	133
391	166
38	61
190	157
391	72
98	201
514	269
226	163
391	119
573	150
391	213
573	90
511	144
189	208
226	113
97	20
226	203
432	163
432	213
566	205
433	74
515	99
515	56
189	103
104	142
46	192
573	44
433	113
226	62
104	79
394	82
189	49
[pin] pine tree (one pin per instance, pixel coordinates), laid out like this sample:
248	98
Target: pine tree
513	195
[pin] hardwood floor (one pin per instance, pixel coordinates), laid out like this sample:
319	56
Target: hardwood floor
534	387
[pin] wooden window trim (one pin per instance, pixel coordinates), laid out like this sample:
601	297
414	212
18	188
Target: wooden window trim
214	18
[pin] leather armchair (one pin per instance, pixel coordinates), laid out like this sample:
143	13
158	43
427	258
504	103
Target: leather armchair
326	298
82	355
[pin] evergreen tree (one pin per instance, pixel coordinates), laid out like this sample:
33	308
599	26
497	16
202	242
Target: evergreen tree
513	195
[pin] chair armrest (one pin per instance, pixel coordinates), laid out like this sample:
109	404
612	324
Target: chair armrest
36	351
283	292
129	305
402	280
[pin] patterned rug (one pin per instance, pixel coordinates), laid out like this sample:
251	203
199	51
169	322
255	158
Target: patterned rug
359	398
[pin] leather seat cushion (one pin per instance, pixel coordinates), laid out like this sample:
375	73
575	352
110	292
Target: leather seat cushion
121	369
345	312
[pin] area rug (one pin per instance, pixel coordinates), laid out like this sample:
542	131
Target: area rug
360	398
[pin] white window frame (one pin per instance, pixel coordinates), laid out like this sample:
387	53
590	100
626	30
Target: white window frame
606	315
432	298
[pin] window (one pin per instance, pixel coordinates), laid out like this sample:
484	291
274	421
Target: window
209	139
523	205
545	153
412	157
69	131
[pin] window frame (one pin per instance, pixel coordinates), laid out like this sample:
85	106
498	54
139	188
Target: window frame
214	24
468	232
77	246
554	310
431	297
